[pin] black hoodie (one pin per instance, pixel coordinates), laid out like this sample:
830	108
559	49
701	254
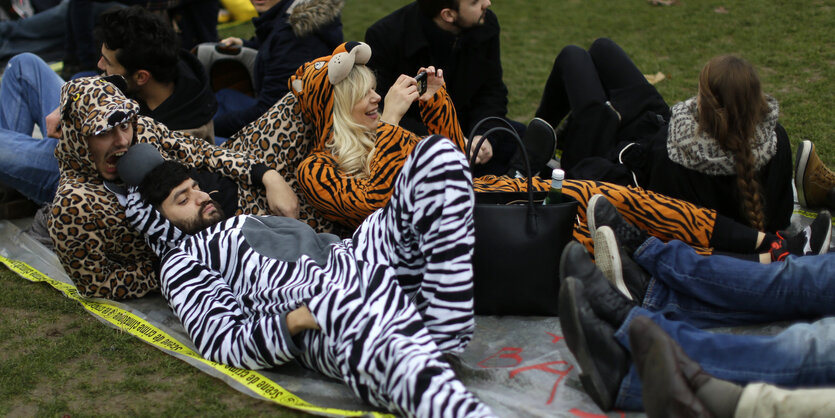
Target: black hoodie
192	104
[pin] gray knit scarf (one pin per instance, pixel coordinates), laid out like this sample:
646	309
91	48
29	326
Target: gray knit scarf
702	153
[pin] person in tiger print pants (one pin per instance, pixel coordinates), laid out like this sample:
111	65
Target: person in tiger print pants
346	193
375	311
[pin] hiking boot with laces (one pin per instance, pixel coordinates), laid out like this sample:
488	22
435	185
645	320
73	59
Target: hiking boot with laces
812	179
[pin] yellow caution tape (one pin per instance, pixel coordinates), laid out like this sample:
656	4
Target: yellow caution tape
147	332
809	214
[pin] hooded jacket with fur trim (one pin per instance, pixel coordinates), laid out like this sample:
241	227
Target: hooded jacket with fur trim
286	36
102	254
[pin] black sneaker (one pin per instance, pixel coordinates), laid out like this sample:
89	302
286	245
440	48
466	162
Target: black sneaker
541	145
812	240
603	361
624	273
604	298
600	212
820	234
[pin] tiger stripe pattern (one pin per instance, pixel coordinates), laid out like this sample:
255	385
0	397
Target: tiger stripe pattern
388	301
659	215
349	200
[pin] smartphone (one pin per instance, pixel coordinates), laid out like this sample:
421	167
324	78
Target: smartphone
421	82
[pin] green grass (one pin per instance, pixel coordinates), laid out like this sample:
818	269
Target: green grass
55	359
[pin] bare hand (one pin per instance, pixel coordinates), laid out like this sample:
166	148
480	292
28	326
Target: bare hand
485	153
230	41
53	124
399	98
280	196
434	81
300	319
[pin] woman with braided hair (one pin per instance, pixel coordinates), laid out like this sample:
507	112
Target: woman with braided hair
731	108
722	149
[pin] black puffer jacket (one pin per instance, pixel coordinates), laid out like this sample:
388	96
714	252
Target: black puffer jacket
286	36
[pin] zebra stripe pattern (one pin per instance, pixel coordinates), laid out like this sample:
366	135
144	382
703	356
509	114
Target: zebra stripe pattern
388	301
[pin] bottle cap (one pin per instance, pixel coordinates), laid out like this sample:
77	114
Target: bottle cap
558	174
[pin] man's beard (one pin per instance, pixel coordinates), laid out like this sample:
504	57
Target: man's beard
202	222
474	25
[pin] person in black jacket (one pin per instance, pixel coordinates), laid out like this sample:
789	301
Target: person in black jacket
462	38
288	33
169	83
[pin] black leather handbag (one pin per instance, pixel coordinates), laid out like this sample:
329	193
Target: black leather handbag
518	243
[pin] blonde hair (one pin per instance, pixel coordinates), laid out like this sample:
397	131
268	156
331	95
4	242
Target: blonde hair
731	105
351	143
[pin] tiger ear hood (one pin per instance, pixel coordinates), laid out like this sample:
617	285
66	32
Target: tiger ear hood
313	84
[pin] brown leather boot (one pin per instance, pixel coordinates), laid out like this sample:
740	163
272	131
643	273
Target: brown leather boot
670	379
813	180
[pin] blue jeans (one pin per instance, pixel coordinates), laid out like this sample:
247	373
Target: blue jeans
723	291
801	355
42	33
707	291
230	100
30	90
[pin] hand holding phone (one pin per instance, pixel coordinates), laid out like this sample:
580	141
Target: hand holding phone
421	82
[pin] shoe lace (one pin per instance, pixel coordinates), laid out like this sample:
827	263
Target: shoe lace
823	175
787	244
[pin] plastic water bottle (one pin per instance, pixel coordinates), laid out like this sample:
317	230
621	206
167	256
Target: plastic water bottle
555	194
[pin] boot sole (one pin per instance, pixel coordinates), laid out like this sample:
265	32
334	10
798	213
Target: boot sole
827	238
607	258
801	159
575	338
590	213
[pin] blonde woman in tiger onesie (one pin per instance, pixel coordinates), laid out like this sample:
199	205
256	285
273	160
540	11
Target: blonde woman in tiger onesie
358	153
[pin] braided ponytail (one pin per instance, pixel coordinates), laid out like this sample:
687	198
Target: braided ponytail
731	105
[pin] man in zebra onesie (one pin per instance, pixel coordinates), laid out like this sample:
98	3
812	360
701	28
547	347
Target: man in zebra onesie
376	310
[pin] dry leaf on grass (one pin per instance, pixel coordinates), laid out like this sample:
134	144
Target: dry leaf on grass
655	78
721	10
662	2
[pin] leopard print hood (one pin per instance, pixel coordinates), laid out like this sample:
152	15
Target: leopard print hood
90	106
100	251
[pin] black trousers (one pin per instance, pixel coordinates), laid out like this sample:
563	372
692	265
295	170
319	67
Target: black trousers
604	92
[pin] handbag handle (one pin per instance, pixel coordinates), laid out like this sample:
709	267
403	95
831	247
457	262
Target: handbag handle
509	129
488	119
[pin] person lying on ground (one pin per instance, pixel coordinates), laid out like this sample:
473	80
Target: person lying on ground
358	152
100	253
377	311
169	84
722	149
595	316
675	385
